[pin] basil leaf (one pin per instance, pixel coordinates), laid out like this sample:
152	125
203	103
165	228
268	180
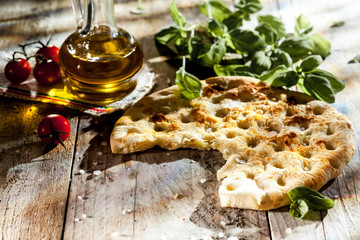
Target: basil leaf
303	25
246	41
298	47
249	6
338	24
356	59
167	35
319	87
189	85
215	53
321	45
207	55
233	21
260	62
180	44
216	28
337	85
218	9
275	23
268	76
314	199
178	18
280	57
299	208
196	47
285	58
267	32
310	63
286	79
234	70
303	89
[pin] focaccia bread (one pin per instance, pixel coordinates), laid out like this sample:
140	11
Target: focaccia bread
272	139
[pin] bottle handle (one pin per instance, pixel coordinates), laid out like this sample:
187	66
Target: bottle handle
79	13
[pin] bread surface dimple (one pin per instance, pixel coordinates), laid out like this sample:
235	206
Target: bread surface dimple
273	139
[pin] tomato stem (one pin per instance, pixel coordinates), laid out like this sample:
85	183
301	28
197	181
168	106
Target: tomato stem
23	48
47	43
17	52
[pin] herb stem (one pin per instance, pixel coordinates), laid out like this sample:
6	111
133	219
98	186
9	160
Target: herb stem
208	9
192	33
183	66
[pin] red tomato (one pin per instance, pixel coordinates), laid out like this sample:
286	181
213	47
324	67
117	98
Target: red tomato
49	53
54	129
47	73
17	71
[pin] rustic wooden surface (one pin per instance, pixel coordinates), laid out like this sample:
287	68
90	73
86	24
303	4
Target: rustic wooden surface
156	194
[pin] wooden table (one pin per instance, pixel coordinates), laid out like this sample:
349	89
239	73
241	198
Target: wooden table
155	194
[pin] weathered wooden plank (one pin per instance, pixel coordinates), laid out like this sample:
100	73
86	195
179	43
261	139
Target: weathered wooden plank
231	222
333	224
101	199
176	195
167	193
282	225
33	180
159	215
340	222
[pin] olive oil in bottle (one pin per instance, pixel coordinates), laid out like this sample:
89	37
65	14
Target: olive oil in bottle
98	67
99	58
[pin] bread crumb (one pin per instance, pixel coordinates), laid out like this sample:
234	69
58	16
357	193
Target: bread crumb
175	196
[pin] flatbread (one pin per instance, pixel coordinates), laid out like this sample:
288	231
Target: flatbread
272	139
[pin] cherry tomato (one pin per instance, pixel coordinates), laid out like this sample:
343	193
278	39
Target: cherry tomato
47	73
17	71
49	53
54	129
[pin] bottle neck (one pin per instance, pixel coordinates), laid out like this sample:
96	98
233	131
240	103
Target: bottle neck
98	14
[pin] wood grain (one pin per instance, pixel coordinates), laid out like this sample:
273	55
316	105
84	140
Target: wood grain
101	199
33	180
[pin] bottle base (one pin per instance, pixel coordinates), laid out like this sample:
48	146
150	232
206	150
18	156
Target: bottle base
99	94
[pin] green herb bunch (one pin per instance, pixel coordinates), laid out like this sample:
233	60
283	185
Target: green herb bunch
266	52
